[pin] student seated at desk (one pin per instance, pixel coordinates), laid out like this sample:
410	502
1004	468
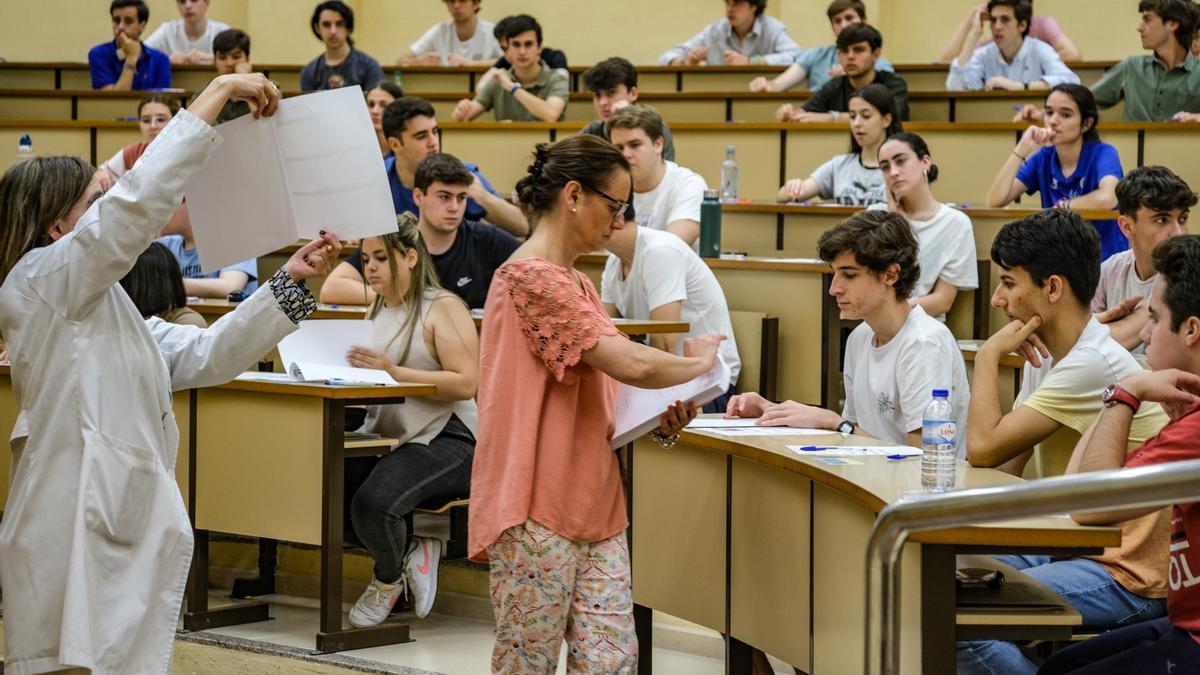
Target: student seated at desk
944	234
231	51
530	91
188	39
154	111
155	285
820	64
666	196
1066	163
237	278
744	37
854	178
1172	340
465	253
341	65
613	83
1154	204
379	98
654	275
125	64
1050	265
895	358
464	40
858	50
419	333
1042	27
1014	61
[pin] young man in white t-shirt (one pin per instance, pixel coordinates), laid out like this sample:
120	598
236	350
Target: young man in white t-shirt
1154	205
1050	265
188	40
464	40
654	275
895	358
666	196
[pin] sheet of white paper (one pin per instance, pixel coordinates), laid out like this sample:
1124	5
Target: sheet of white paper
320	372
314	166
854	451
770	431
807	261
637	409
254	376
317	351
720	423
332	166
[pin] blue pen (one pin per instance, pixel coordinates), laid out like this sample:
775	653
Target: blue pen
818	448
898	456
1016	107
334	381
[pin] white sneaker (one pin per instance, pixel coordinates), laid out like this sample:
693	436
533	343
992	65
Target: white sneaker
375	603
421	569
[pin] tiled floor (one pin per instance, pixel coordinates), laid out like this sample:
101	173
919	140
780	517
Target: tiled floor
441	643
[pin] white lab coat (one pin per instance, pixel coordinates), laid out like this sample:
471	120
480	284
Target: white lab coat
95	543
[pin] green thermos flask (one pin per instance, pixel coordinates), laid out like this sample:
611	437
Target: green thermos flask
710	225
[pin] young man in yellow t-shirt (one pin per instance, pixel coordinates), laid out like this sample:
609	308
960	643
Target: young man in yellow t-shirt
1050	266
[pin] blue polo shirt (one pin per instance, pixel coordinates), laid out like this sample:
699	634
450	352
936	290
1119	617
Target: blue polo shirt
402	195
153	68
1042	173
189	263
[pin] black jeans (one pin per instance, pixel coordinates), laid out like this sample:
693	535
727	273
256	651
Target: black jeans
382	490
1150	647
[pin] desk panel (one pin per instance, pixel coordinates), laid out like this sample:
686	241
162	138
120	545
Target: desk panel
758	155
105	108
35	107
1174	147
27	78
502	152
47	141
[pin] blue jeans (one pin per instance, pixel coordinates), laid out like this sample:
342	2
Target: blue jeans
1151	648
1102	602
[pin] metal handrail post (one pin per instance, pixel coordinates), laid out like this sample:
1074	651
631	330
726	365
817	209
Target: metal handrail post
1161	485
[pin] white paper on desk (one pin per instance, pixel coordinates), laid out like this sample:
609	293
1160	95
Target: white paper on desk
317	352
638	410
721	422
857	451
771	431
314	166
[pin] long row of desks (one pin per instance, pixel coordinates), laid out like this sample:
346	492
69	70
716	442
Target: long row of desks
73	75
675	107
967	154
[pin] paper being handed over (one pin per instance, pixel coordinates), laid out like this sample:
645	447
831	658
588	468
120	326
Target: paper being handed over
638	409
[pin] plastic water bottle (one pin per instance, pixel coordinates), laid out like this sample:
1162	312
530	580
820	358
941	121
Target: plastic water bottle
24	148
710	225
729	177
939	440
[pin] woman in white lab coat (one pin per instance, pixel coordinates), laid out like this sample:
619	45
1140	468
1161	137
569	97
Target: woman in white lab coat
95	543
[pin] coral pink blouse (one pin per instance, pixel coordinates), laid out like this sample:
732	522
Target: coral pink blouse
544	416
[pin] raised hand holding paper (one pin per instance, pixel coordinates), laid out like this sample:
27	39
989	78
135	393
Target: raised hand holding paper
638	410
317	352
314	166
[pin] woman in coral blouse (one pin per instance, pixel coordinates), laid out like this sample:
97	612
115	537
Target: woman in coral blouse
547	504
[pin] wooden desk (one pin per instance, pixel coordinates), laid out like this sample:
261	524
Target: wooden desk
747	538
293	434
75	75
1055	621
74	104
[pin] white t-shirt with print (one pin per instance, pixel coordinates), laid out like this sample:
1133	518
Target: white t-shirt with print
844	180
676	197
666	270
171	38
945	250
442	39
888	387
1119	281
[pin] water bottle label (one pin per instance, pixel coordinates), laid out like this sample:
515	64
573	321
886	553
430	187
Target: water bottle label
939	432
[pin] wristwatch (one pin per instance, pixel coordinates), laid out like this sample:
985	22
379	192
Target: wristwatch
515	87
846	427
1115	393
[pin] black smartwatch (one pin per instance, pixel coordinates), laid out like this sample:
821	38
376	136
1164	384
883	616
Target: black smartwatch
846	427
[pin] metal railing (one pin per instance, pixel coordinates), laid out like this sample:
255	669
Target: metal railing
1160	485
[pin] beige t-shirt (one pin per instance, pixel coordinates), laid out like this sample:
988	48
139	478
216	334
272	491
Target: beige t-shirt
1068	392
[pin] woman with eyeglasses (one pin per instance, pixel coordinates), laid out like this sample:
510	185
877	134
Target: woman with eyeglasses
547	505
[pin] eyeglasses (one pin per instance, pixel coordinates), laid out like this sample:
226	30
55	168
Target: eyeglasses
622	206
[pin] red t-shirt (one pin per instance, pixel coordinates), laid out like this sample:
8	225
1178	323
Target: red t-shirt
1178	441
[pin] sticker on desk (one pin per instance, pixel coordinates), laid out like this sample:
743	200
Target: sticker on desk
817	451
835	461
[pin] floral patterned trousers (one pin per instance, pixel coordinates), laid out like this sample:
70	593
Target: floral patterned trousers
545	586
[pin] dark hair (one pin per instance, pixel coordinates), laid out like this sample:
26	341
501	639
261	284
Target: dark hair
391	88
919	148
155	284
511	26
403	109
838	6
33	195
636	117
878	240
585	158
172	102
609	73
1086	102
142	10
1052	242
881	99
475	1
859	32
441	167
1154	187
1022	11
334	6
229	40
1183	12
1178	261
759	5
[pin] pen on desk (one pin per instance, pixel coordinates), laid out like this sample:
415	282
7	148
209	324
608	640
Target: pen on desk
335	381
898	456
1016	107
818	448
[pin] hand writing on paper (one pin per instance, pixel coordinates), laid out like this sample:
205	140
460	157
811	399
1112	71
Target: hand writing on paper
314	259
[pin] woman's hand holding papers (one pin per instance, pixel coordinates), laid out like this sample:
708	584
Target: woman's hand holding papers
316	258
253	88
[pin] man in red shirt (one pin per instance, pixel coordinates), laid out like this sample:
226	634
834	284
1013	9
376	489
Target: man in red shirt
1172	644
